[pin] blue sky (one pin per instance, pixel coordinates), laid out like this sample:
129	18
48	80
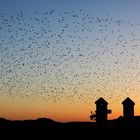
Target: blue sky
68	55
121	7
129	9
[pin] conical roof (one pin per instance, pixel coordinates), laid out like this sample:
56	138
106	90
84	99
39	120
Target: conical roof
101	101
128	101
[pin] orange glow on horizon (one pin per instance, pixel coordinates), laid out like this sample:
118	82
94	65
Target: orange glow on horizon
26	109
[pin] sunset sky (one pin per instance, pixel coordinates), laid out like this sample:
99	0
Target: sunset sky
57	57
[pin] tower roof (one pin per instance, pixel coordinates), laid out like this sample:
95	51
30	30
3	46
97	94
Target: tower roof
128	101
101	101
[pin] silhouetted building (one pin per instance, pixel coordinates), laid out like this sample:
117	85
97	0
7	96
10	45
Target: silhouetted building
101	110
128	108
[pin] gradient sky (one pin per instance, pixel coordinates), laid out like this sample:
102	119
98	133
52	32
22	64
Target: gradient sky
57	57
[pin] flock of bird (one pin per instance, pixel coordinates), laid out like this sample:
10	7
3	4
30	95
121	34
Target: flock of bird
69	56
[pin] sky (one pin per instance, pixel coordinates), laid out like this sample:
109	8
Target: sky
57	57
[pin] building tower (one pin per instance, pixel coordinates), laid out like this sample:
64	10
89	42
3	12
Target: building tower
128	108
101	110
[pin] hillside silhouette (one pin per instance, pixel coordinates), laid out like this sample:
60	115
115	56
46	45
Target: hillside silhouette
127	125
48	128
